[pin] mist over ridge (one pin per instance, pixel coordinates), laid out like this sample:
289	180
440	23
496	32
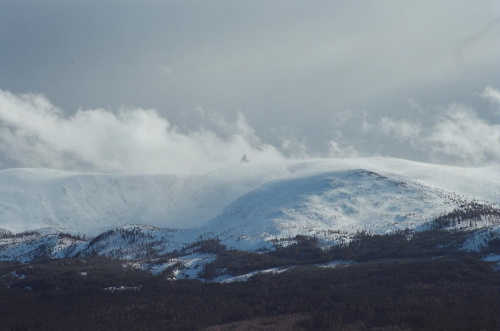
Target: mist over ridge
38	198
34	133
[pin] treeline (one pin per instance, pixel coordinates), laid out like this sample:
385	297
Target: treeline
467	215
130	242
6	234
443	293
364	247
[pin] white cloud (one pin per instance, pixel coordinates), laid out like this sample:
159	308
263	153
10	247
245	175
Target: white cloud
294	148
339	150
340	118
462	135
458	136
493	95
34	133
403	130
340	147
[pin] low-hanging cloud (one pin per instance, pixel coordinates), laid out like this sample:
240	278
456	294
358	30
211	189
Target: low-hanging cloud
403	130
339	147
458	135
35	133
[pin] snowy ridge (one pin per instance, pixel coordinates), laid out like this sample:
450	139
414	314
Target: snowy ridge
246	206
39	198
330	206
45	243
137	241
32	199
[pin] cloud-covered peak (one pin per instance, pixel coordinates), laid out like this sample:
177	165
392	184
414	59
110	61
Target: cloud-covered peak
34	133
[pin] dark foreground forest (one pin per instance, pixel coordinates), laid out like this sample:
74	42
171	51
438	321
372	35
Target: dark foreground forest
446	293
392	285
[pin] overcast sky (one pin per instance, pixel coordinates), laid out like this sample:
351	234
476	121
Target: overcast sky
189	86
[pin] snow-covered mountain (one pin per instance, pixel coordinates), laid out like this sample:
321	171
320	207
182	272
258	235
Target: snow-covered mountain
247	205
328	205
39	198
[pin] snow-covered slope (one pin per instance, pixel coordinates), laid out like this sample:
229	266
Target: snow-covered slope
40	198
246	206
167	223
43	243
329	205
138	241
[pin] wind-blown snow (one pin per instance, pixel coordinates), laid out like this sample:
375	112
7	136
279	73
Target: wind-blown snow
329	205
40	198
